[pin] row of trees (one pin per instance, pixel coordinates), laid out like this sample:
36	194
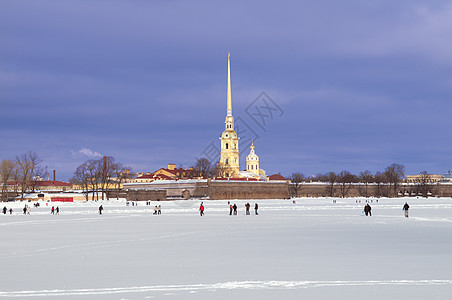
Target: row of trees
386	181
205	169
99	174
24	171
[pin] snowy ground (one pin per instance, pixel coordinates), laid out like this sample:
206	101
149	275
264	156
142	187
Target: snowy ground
313	249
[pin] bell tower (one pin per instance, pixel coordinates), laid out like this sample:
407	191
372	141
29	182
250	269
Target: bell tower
229	158
252	161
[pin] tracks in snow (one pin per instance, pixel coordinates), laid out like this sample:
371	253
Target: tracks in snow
251	285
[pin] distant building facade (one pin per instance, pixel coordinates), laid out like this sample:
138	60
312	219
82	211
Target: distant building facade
447	176
421	178
169	173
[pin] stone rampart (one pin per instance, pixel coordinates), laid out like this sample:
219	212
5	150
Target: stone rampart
227	190
146	195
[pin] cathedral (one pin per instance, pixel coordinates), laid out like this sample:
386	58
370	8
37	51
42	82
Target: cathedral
229	164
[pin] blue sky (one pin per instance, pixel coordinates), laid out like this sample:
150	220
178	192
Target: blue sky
359	84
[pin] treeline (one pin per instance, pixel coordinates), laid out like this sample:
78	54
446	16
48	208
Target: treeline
24	172
386	182
100	175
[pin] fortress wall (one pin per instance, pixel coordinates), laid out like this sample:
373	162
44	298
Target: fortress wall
226	190
359	190
146	195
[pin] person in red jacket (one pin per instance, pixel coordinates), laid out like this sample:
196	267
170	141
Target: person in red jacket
201	210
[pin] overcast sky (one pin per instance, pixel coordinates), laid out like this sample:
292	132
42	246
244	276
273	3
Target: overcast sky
348	85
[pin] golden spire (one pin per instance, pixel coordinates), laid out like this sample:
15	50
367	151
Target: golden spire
229	104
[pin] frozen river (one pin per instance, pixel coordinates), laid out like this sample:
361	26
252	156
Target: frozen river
311	249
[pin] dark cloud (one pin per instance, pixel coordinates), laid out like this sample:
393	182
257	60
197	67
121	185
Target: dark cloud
361	84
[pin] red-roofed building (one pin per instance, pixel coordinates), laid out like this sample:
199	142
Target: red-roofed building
170	173
41	185
276	177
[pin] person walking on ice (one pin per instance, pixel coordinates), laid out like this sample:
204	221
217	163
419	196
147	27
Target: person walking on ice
101	208
405	208
201	210
57	210
247	208
52	211
368	210
256	208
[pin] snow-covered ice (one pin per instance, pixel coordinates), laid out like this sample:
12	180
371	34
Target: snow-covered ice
311	249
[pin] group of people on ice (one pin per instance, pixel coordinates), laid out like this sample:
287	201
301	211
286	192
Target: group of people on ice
54	210
368	210
157	210
5	210
232	209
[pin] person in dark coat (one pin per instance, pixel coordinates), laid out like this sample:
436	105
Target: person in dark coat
234	207
405	208
247	208
25	210
230	209
57	210
256	208
101	208
368	210
4	210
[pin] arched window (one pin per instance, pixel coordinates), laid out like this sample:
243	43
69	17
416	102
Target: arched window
227	146
227	160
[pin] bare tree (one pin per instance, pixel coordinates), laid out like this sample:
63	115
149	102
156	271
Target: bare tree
366	177
423	185
395	173
332	179
29	169
81	177
94	173
320	177
222	170
296	180
122	174
6	174
345	179
380	180
98	175
203	168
